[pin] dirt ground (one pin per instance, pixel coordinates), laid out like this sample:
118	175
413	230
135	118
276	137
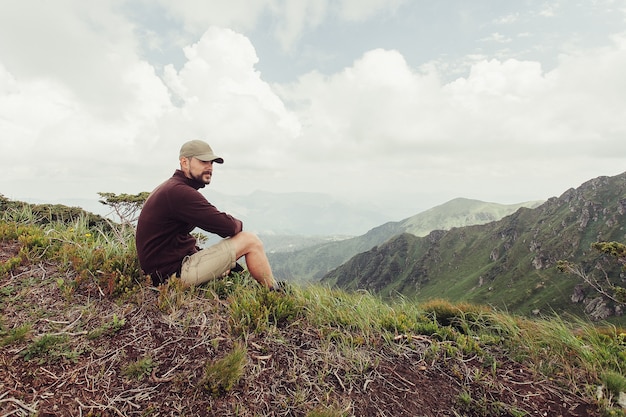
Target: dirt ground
295	370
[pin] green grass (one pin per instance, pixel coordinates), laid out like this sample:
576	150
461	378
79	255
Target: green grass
221	375
17	334
350	325
108	328
140	369
93	250
49	348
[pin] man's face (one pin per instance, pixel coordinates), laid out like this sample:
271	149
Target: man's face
193	168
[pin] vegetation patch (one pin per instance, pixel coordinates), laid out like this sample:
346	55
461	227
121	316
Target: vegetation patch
140	369
221	375
77	339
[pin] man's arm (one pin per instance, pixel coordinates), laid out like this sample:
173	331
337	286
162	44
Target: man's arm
193	208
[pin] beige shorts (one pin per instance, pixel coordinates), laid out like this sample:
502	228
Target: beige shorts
208	264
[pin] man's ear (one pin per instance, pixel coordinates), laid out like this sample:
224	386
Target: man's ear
184	163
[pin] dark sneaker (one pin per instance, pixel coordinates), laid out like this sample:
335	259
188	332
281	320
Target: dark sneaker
281	287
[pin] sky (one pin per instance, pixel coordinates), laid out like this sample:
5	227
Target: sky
398	105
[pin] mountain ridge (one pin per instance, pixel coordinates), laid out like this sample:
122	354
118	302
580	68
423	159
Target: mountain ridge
510	263
310	264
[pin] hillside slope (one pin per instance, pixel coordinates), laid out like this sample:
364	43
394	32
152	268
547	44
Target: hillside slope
232	348
510	263
312	263
84	333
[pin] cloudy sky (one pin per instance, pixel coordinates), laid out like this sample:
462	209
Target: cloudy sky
399	104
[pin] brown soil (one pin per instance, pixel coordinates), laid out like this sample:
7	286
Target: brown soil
292	370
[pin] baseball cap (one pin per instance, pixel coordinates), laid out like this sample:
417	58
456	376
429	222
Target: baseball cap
200	150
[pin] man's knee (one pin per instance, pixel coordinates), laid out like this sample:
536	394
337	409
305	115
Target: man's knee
249	238
246	242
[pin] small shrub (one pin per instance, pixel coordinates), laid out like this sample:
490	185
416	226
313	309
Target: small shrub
33	243
458	315
48	348
255	310
482	405
224	287
139	369
614	383
397	322
172	295
110	328
465	399
427	328
9	265
14	335
220	376
67	287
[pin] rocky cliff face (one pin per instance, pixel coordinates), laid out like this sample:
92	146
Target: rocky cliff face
510	262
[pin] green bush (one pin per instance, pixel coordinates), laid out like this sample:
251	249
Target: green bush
221	375
49	348
139	369
14	335
98	251
614	383
256	309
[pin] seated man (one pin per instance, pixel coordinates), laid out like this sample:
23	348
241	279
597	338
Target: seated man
164	242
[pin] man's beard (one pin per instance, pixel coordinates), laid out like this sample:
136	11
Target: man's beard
200	177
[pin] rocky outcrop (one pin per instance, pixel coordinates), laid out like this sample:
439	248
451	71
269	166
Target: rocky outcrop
597	308
579	294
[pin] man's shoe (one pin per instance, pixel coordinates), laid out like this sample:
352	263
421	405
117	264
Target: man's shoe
281	287
237	268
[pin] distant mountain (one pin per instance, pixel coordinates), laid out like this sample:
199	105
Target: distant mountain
306	214
510	263
311	264
316	217
460	212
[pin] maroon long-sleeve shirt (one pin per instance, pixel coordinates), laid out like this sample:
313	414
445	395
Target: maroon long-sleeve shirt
168	216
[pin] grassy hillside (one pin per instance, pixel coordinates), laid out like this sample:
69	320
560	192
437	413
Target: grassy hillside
510	263
82	333
312	263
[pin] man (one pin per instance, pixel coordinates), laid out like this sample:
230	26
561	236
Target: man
164	242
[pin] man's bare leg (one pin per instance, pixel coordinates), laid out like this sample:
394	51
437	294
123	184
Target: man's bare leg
249	245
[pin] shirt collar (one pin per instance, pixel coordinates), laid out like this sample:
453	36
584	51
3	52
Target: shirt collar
189	181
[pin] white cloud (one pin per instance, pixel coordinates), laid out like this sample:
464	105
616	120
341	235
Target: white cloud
198	16
497	37
506	120
508	19
224	98
78	99
297	18
59	139
88	112
289	19
365	9
377	102
549	10
70	43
